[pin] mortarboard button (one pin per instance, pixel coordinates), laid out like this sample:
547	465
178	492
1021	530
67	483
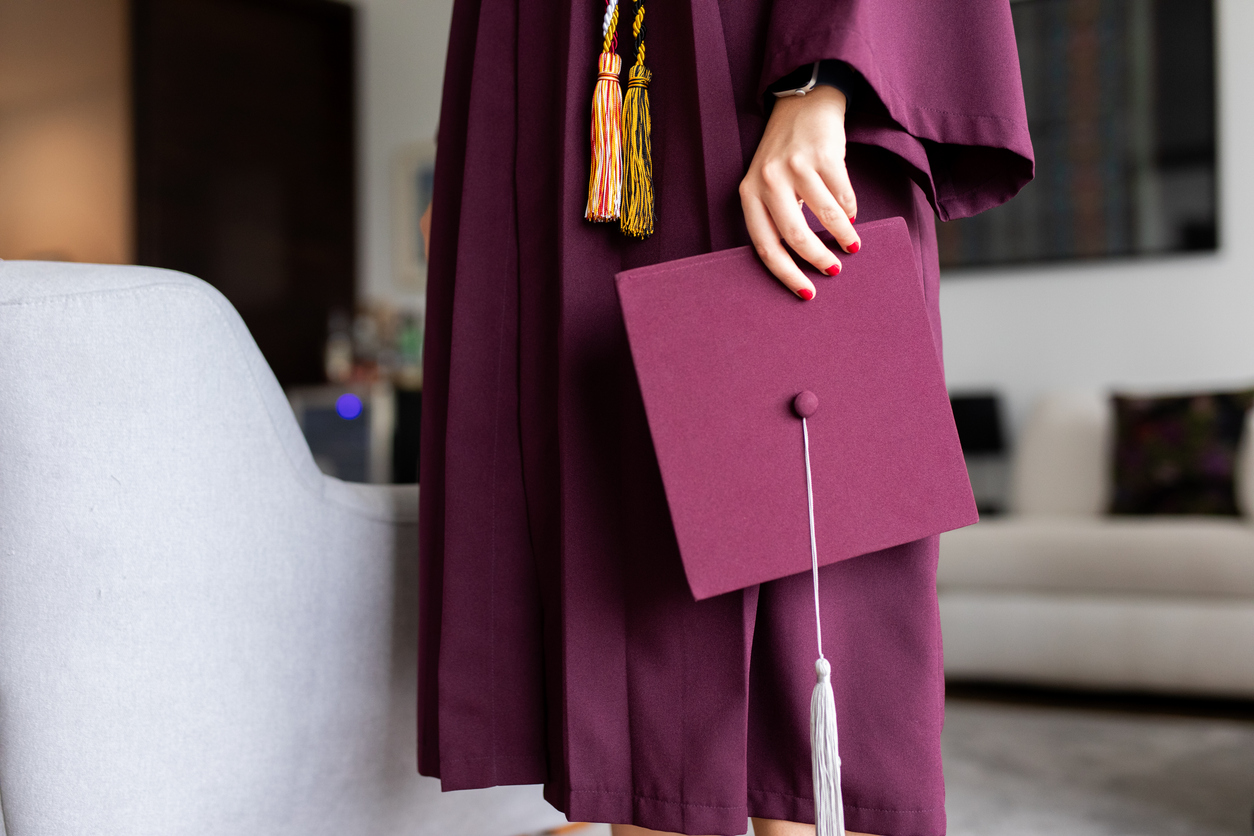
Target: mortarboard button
805	404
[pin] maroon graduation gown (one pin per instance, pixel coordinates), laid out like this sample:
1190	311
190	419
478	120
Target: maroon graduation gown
559	642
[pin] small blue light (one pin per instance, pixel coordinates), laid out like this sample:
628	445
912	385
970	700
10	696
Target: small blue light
348	406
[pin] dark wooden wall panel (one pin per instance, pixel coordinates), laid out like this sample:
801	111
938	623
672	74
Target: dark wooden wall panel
245	167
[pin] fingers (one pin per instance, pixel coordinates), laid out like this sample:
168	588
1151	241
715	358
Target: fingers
791	223
801	155
831	170
836	178
817	194
765	236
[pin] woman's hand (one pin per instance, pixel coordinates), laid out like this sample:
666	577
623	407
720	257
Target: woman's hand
801	158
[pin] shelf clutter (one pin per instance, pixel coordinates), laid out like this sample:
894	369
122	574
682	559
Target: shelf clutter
362	425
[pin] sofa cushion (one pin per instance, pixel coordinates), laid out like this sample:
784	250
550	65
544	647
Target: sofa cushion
1244	477
1060	463
1177	454
1190	555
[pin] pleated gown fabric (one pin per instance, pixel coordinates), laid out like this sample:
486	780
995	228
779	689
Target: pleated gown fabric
559	642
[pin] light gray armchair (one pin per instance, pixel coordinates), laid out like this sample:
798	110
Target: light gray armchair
199	632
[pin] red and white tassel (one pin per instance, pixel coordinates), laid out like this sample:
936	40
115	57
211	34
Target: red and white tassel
605	183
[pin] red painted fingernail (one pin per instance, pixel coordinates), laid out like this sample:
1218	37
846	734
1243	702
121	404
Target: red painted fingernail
853	218
833	270
854	247
806	293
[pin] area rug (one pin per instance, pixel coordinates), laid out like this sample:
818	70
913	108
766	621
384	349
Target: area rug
1023	770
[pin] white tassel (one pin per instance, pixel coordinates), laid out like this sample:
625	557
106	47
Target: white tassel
829	807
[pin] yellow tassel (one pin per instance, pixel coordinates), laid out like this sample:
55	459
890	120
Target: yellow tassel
638	214
605	184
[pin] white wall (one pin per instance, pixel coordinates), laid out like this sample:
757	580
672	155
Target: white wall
1169	322
401	49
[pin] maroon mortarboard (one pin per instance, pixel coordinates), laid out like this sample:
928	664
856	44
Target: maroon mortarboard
792	434
721	351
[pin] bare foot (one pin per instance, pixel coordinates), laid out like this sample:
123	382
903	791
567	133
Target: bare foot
775	827
761	827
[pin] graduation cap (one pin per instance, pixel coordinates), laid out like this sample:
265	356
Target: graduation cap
792	434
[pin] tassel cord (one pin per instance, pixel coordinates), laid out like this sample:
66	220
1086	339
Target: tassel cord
814	548
609	27
829	808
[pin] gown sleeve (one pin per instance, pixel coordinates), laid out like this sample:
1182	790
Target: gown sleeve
939	86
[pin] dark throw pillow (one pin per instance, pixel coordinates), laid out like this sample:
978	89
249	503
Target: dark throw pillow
1177	454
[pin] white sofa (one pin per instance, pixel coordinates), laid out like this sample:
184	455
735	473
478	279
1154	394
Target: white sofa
1058	593
200	634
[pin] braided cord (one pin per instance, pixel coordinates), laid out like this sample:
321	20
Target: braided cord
637	30
609	27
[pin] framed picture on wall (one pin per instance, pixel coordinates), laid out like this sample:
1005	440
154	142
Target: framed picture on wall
413	173
1120	101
